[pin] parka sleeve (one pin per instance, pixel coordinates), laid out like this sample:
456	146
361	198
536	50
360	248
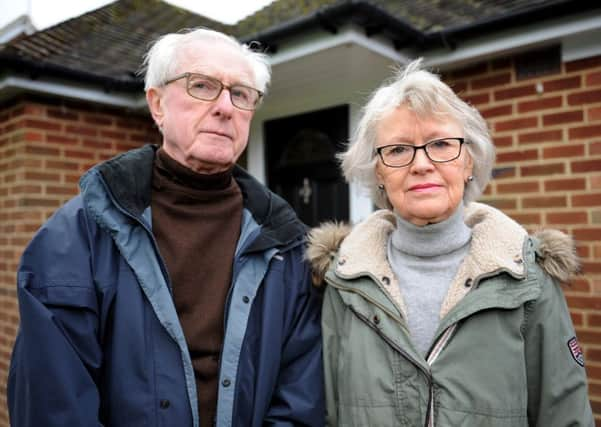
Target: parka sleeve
557	385
331	322
56	358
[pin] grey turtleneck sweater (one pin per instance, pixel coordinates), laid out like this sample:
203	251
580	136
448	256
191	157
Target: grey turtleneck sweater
425	261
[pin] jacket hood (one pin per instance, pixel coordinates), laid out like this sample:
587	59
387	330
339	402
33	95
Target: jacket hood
555	253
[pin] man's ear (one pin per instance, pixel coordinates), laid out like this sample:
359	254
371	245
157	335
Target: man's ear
155	105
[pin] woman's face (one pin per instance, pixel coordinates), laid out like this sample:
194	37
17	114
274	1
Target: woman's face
422	192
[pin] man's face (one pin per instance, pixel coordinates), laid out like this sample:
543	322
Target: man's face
205	136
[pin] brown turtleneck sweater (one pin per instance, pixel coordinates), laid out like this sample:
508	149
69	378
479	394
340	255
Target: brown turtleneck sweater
196	221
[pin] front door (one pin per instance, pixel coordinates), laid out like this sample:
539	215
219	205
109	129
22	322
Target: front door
302	165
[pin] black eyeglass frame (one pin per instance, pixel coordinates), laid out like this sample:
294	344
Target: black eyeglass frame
222	86
421	147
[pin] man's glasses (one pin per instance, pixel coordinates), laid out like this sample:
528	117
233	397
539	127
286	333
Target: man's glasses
439	151
208	88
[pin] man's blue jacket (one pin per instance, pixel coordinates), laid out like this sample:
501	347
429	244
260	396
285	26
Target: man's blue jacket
100	343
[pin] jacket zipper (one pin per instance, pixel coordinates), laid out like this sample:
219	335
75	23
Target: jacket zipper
437	349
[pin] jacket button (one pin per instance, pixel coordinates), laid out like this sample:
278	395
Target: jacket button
376	320
468	283
518	259
164	403
226	382
245	299
386	280
341	261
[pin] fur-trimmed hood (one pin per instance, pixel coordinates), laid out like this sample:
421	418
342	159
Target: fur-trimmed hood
497	243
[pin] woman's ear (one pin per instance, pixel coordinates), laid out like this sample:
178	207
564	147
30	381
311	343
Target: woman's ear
155	105
469	167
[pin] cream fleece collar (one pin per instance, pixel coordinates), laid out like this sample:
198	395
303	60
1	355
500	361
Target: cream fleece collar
497	243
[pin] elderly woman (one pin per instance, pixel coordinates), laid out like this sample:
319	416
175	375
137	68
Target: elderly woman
440	311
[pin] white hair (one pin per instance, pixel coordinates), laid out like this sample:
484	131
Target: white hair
426	95
162	59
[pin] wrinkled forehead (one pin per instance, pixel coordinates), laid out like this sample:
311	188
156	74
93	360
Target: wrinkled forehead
216	58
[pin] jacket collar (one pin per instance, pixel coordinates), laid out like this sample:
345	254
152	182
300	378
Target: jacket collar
128	179
496	244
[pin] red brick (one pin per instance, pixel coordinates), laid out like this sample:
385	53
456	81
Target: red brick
564	117
583	64
594	113
459	87
98	120
540	136
517	156
112	134
545	202
501	110
518	187
38	203
41	176
587	234
79	154
503	204
42	124
61	139
562	84
586	166
565	184
527	218
595	148
64	191
503	141
591	302
577	319
515	92
593	199
478	99
471	70
584	97
62	114
585	132
491	81
546	169
567	218
41	150
34	136
561	151
97	145
578	284
593	79
503	173
515	124
540	104
83	130
591	268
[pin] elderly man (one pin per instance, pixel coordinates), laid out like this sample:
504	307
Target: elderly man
172	291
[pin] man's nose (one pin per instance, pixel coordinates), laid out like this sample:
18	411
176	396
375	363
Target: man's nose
223	103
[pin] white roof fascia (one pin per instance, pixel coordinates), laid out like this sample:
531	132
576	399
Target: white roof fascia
16	27
316	42
17	84
577	27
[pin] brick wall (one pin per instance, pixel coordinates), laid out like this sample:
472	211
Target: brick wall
547	131
44	148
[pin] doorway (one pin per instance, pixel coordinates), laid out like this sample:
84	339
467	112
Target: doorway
302	166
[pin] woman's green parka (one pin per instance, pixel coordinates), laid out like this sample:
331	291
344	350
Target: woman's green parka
505	352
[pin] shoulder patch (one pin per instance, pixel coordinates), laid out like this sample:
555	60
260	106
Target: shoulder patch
576	351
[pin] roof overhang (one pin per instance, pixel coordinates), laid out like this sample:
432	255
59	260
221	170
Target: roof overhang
11	86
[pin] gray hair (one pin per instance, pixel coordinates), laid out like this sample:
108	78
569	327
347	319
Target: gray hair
162	59
425	94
